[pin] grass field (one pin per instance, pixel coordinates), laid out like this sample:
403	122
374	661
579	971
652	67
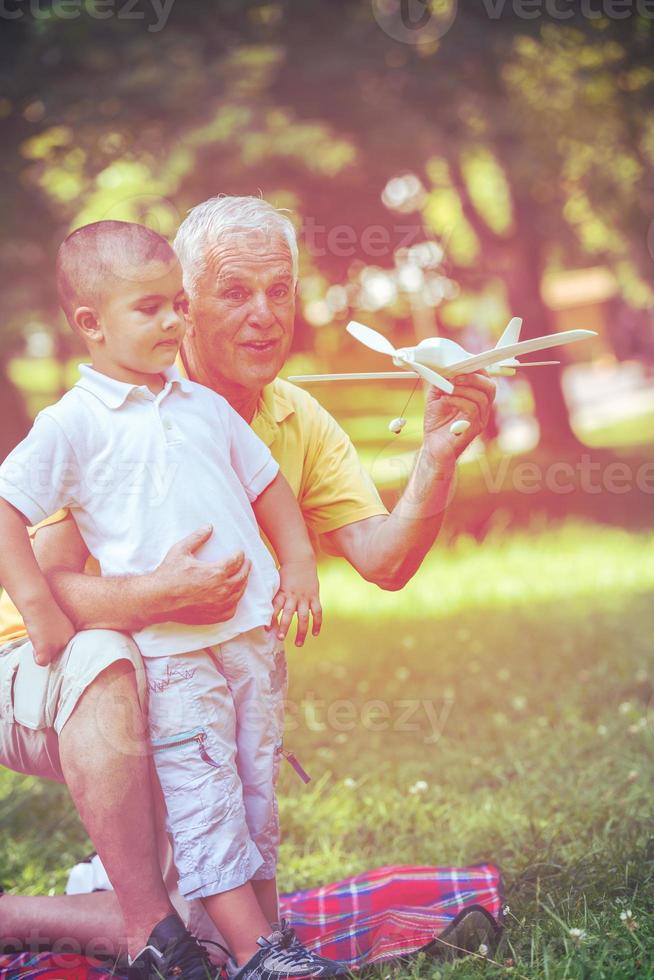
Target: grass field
529	662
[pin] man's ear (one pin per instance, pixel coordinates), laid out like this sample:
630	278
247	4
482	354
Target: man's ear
87	322
188	319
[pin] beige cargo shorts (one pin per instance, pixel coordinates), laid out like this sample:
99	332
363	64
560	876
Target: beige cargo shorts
36	702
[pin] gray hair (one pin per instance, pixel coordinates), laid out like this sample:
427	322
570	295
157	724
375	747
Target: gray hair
206	223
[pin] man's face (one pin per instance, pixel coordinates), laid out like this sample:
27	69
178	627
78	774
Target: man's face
241	317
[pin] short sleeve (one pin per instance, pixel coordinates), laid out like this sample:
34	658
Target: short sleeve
336	489
250	457
41	475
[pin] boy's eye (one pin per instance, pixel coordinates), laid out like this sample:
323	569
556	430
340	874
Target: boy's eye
148	310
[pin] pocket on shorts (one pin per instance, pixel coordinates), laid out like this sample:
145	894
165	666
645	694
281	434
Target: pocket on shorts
32	691
9	661
195	785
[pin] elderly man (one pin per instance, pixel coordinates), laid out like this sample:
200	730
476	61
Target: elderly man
80	721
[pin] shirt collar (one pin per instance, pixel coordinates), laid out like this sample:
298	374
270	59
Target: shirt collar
115	393
273	407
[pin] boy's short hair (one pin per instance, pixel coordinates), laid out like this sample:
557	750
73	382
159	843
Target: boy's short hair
96	257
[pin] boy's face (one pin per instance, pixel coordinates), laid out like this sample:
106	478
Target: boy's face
141	320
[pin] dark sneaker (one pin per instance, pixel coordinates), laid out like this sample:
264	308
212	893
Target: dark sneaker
283	957
172	953
474	932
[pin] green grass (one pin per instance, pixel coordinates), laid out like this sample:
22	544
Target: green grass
529	662
637	430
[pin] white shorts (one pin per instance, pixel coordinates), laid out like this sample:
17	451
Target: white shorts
216	720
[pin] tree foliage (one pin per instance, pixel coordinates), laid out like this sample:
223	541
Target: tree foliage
532	140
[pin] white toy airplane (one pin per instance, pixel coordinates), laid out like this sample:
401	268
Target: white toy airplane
437	359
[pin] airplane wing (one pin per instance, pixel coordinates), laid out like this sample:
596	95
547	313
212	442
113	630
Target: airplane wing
362	376
477	361
433	378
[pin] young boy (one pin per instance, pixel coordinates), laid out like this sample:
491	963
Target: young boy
143	457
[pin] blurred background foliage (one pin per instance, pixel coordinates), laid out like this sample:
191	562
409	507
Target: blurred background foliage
495	164
437	186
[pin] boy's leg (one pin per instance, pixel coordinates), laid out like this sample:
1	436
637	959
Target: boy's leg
193	737
266	891
255	668
79	721
255	664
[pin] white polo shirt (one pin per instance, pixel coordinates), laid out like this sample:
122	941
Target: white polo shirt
139	472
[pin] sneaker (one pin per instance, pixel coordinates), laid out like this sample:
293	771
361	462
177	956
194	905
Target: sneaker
474	932
172	952
283	957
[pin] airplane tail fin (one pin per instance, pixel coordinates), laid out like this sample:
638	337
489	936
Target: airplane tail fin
512	333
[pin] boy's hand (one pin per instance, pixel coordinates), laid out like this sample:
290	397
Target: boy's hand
50	632
298	593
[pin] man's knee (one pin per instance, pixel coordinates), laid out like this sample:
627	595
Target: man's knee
108	712
101	648
103	675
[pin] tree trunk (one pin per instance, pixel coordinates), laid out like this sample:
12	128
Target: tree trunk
524	284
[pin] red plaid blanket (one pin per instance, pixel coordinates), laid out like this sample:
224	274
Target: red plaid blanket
389	912
376	916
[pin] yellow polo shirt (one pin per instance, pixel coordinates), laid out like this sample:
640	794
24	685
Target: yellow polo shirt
314	454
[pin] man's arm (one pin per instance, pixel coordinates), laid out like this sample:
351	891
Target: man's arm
182	588
388	550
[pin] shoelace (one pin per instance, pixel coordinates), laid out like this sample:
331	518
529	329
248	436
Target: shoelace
288	950
188	956
288	936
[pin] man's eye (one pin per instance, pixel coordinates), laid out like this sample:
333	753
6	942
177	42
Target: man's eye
280	292
235	294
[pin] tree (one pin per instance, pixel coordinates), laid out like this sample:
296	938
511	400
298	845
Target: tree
532	140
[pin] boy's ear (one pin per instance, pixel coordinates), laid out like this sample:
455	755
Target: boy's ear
87	322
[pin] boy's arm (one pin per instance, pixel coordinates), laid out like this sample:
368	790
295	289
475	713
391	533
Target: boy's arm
48	627
280	518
